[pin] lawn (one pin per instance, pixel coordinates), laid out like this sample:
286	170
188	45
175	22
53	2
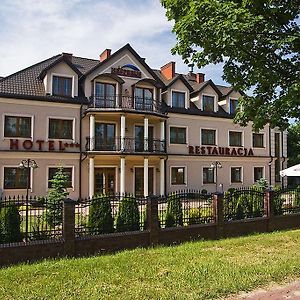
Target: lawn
195	270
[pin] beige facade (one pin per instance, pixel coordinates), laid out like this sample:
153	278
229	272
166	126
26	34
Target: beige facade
126	133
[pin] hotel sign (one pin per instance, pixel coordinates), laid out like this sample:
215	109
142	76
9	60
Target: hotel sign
220	151
41	145
128	71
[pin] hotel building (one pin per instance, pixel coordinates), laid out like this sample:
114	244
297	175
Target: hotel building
116	125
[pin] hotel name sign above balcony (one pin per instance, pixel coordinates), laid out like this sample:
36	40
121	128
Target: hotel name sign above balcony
220	151
128	71
41	145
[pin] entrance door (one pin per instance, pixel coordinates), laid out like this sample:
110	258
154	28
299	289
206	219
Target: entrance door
105	180
139	138
139	181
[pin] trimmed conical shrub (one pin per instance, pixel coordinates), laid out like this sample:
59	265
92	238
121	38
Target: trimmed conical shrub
174	215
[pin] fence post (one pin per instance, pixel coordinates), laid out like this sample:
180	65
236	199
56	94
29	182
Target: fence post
152	216
69	227
218	204
269	208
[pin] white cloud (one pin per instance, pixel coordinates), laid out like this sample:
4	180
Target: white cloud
33	30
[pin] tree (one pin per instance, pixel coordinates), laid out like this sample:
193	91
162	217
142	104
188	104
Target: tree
258	43
56	196
294	144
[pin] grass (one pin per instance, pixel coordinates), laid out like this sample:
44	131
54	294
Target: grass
195	270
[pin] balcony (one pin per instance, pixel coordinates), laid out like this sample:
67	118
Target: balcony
127	145
121	102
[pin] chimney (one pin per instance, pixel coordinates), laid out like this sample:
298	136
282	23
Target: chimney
67	55
104	55
200	77
168	70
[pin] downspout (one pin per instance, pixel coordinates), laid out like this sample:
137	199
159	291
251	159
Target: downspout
270	154
80	143
166	147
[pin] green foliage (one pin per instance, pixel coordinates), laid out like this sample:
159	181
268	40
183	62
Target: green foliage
296	200
56	196
258	44
194	216
204	191
174	215
10	222
294	144
261	184
38	229
100	215
128	218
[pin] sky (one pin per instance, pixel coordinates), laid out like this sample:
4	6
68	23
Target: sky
34	30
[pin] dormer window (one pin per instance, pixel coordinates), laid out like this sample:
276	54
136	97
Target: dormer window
178	99
233	103
62	86
208	103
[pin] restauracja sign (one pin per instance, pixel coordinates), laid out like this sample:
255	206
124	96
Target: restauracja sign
226	151
41	145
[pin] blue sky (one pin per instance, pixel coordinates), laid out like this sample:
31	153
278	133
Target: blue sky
33	30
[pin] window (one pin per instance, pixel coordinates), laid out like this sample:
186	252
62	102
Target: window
235	138
277	144
15	178
62	86
208	137
258	173
258	140
178	175
178	99
233	103
60	129
143	99
277	170
105	135
236	174
17	127
208	175
177	135
68	171
208	103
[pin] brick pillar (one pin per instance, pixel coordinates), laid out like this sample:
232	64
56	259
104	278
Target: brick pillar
69	227
218	205
269	208
152	219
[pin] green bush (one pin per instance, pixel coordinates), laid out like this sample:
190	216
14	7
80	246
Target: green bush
194	216
296	200
56	196
100	215
10	222
38	229
204	191
128	218
174	216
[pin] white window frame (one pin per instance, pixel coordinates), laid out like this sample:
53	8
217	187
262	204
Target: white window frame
236	99
154	177
185	175
242	174
186	135
208	95
208	167
185	98
17	167
264	140
17	115
60	118
243	137
62	75
253	173
216	136
56	167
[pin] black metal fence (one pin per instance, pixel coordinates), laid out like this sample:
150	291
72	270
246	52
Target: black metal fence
286	201
24	220
110	213
243	204
185	208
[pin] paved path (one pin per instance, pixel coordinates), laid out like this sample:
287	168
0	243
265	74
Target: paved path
290	291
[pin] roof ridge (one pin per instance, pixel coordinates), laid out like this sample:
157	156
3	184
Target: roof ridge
34	65
93	59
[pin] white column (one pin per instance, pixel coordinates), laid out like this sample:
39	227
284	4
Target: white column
146	189
92	132
146	134
123	126
122	176
162	135
162	176
91	176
